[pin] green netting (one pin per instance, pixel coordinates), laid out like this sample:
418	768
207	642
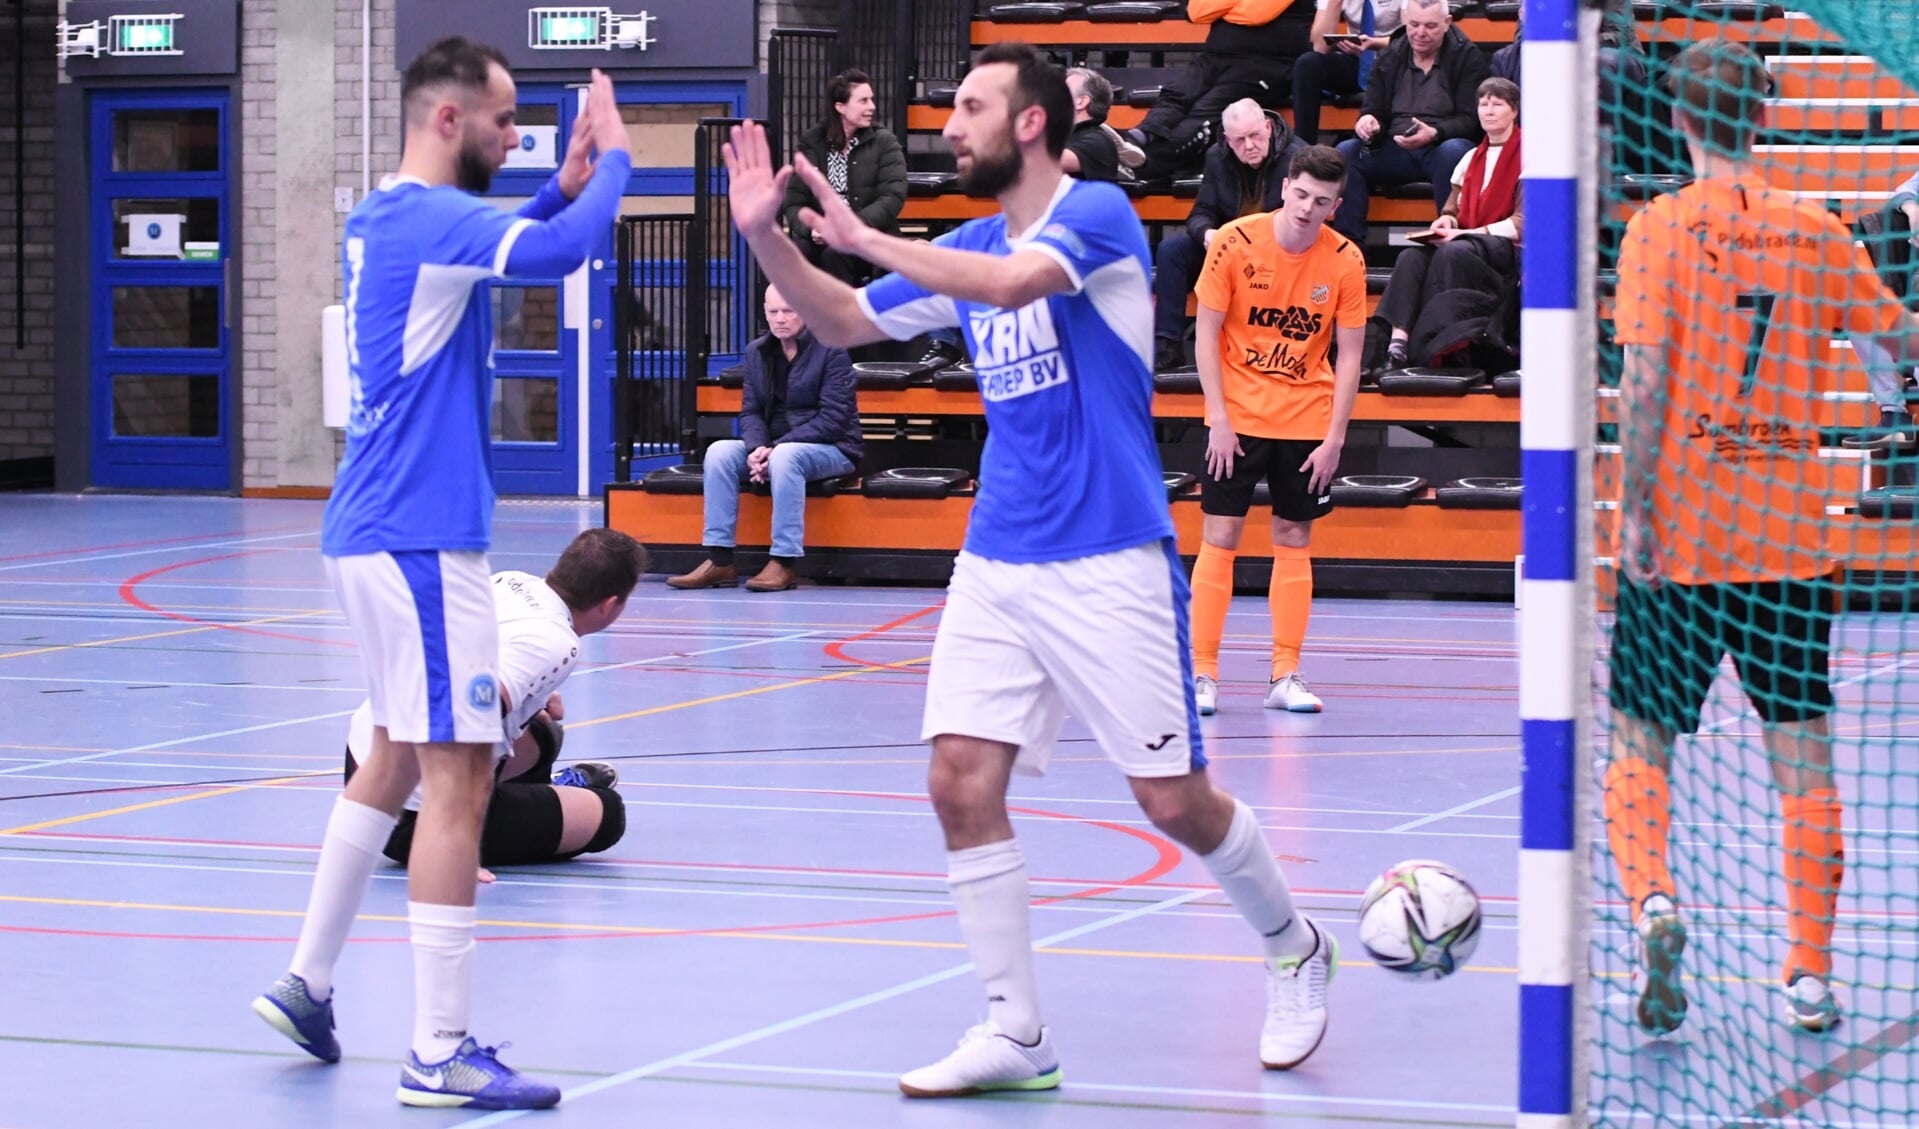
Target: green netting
1752	448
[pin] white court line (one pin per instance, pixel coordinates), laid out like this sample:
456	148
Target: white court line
154	552
173	684
175	741
1462	809
758	1034
697	654
1120	1088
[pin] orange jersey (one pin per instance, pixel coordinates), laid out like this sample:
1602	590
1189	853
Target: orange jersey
1740	293
1281	311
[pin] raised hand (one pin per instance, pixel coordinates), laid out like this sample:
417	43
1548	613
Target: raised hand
836	224
577	168
609	129
754	188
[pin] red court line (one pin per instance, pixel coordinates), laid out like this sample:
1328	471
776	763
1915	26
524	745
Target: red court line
1828	1077
130	595
155	541
837	648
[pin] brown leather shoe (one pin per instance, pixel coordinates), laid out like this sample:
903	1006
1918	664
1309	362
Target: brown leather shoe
775	577
708	575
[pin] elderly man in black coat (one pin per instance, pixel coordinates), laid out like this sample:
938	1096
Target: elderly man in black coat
799	421
1244	171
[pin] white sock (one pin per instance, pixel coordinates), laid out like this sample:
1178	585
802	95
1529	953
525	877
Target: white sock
442	977
993	899
355	834
1244	867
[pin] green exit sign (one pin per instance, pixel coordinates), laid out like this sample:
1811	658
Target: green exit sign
581	30
146	37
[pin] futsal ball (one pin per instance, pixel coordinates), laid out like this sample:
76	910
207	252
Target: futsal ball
1420	918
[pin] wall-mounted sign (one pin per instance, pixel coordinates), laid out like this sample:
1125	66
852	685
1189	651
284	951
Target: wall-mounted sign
119	36
708	36
538	148
110	39
550	29
154	234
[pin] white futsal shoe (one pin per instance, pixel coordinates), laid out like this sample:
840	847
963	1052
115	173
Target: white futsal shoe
1206	693
986	1060
1296	1002
1292	695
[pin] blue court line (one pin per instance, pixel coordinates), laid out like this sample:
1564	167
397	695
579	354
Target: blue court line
687	1057
156	552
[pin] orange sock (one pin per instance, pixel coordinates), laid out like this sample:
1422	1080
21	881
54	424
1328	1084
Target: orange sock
1638	820
1291	599
1212	592
1815	867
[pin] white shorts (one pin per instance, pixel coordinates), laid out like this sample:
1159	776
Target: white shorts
1105	638
429	635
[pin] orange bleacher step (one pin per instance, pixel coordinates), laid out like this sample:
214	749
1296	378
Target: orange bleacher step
933	118
1834	76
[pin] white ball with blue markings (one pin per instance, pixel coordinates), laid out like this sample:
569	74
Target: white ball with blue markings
1421	919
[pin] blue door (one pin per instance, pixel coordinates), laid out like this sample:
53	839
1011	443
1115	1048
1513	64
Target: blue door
161	373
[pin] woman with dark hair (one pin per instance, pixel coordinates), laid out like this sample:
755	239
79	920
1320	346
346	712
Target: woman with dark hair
1474	244
862	162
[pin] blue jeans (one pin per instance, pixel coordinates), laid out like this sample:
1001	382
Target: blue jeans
790	468
1882	375
1387	165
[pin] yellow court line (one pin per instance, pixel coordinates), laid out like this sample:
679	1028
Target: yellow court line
155	635
707	701
167	802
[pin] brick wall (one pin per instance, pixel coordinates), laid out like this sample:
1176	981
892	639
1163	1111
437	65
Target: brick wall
255	363
26	374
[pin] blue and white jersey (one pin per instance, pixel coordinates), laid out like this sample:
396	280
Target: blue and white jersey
418	471
1070	468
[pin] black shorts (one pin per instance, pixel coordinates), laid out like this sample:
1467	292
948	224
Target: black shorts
1278	462
1667	643
524	822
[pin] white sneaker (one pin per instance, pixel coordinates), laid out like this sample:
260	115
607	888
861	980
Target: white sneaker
1296	1003
1810	1004
1206	693
986	1060
1292	695
1662	989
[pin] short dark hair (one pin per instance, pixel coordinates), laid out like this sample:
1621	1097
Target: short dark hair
1718	88
1321	162
839	89
1038	82
1099	92
1504	89
454	61
600	563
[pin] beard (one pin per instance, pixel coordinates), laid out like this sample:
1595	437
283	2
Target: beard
475	172
993	173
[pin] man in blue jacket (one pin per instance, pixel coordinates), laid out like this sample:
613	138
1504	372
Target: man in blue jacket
799	421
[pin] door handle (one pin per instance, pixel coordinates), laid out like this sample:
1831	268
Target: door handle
226	291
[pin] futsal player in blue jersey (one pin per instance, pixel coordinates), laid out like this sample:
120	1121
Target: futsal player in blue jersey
1069	595
406	533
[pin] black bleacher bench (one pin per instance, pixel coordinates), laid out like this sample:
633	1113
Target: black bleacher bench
733	376
1186	187
957	378
1132	11
1506	384
1377	491
1890	502
1142	97
941	96
1421	381
1480	494
1645	186
890	376
1502	9
1035	13
914	482
816	488
1177	380
1412	190
1377	278
687	478
1178	482
1738	10
931	183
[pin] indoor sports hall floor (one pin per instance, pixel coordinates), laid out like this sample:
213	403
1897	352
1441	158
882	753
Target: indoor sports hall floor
771	944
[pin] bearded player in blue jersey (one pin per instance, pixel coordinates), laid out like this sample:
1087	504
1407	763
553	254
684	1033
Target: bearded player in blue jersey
1068	595
406	533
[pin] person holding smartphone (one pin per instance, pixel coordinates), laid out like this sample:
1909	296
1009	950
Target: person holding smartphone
1421	114
1339	64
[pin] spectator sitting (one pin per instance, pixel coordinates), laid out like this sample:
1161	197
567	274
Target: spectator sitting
1248	53
799	421
1091	153
1418	120
1245	172
864	164
1341	68
1478	230
1622	93
1895	247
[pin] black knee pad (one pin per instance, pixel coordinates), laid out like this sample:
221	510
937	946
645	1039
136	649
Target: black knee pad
612	821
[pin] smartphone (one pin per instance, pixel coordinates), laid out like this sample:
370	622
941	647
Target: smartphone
1345	37
1409	128
1424	237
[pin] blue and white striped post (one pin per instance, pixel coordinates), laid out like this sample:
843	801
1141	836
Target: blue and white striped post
1555	622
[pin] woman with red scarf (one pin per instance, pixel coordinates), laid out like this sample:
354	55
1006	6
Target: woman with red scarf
1476	234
